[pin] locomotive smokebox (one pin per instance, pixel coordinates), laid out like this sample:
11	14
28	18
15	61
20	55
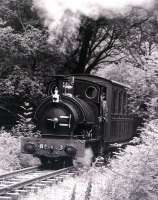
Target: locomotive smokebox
63	117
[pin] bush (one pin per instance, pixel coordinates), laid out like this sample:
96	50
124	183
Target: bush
143	85
11	157
131	175
20	84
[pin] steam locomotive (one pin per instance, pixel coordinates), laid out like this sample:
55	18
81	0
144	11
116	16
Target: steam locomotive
80	112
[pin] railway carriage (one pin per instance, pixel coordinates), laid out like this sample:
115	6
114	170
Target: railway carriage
81	111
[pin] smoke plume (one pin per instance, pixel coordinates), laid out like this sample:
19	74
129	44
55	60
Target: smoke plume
66	13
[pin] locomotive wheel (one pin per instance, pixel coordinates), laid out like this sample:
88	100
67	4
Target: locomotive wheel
44	162
55	163
61	163
67	162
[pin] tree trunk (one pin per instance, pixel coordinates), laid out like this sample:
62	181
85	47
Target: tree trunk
85	45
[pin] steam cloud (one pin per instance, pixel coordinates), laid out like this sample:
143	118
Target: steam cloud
88	157
53	11
86	161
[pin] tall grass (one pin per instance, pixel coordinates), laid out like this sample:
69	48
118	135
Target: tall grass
88	191
73	193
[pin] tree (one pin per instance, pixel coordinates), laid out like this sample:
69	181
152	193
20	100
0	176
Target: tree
18	14
24	42
142	85
139	38
18	83
96	43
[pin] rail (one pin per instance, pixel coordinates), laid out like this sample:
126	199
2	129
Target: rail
21	179
7	175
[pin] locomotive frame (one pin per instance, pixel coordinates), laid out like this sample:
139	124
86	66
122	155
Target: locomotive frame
106	100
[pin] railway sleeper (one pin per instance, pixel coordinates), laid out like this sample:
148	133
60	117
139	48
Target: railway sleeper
48	182
60	179
40	185
13	195
53	180
5	198
22	191
31	188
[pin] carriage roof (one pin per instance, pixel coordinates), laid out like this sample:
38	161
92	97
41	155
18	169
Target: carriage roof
97	80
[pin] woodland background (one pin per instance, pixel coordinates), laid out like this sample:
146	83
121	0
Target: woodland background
119	47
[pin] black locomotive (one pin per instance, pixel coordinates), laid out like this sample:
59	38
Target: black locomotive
81	111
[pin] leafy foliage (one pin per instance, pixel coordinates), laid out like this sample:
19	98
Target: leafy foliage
139	37
142	84
11	157
131	174
20	84
131	37
24	42
29	50
93	43
25	129
25	126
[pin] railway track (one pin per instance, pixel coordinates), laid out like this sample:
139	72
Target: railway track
18	183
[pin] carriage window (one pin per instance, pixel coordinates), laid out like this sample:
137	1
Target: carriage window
115	101
91	92
124	103
120	103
